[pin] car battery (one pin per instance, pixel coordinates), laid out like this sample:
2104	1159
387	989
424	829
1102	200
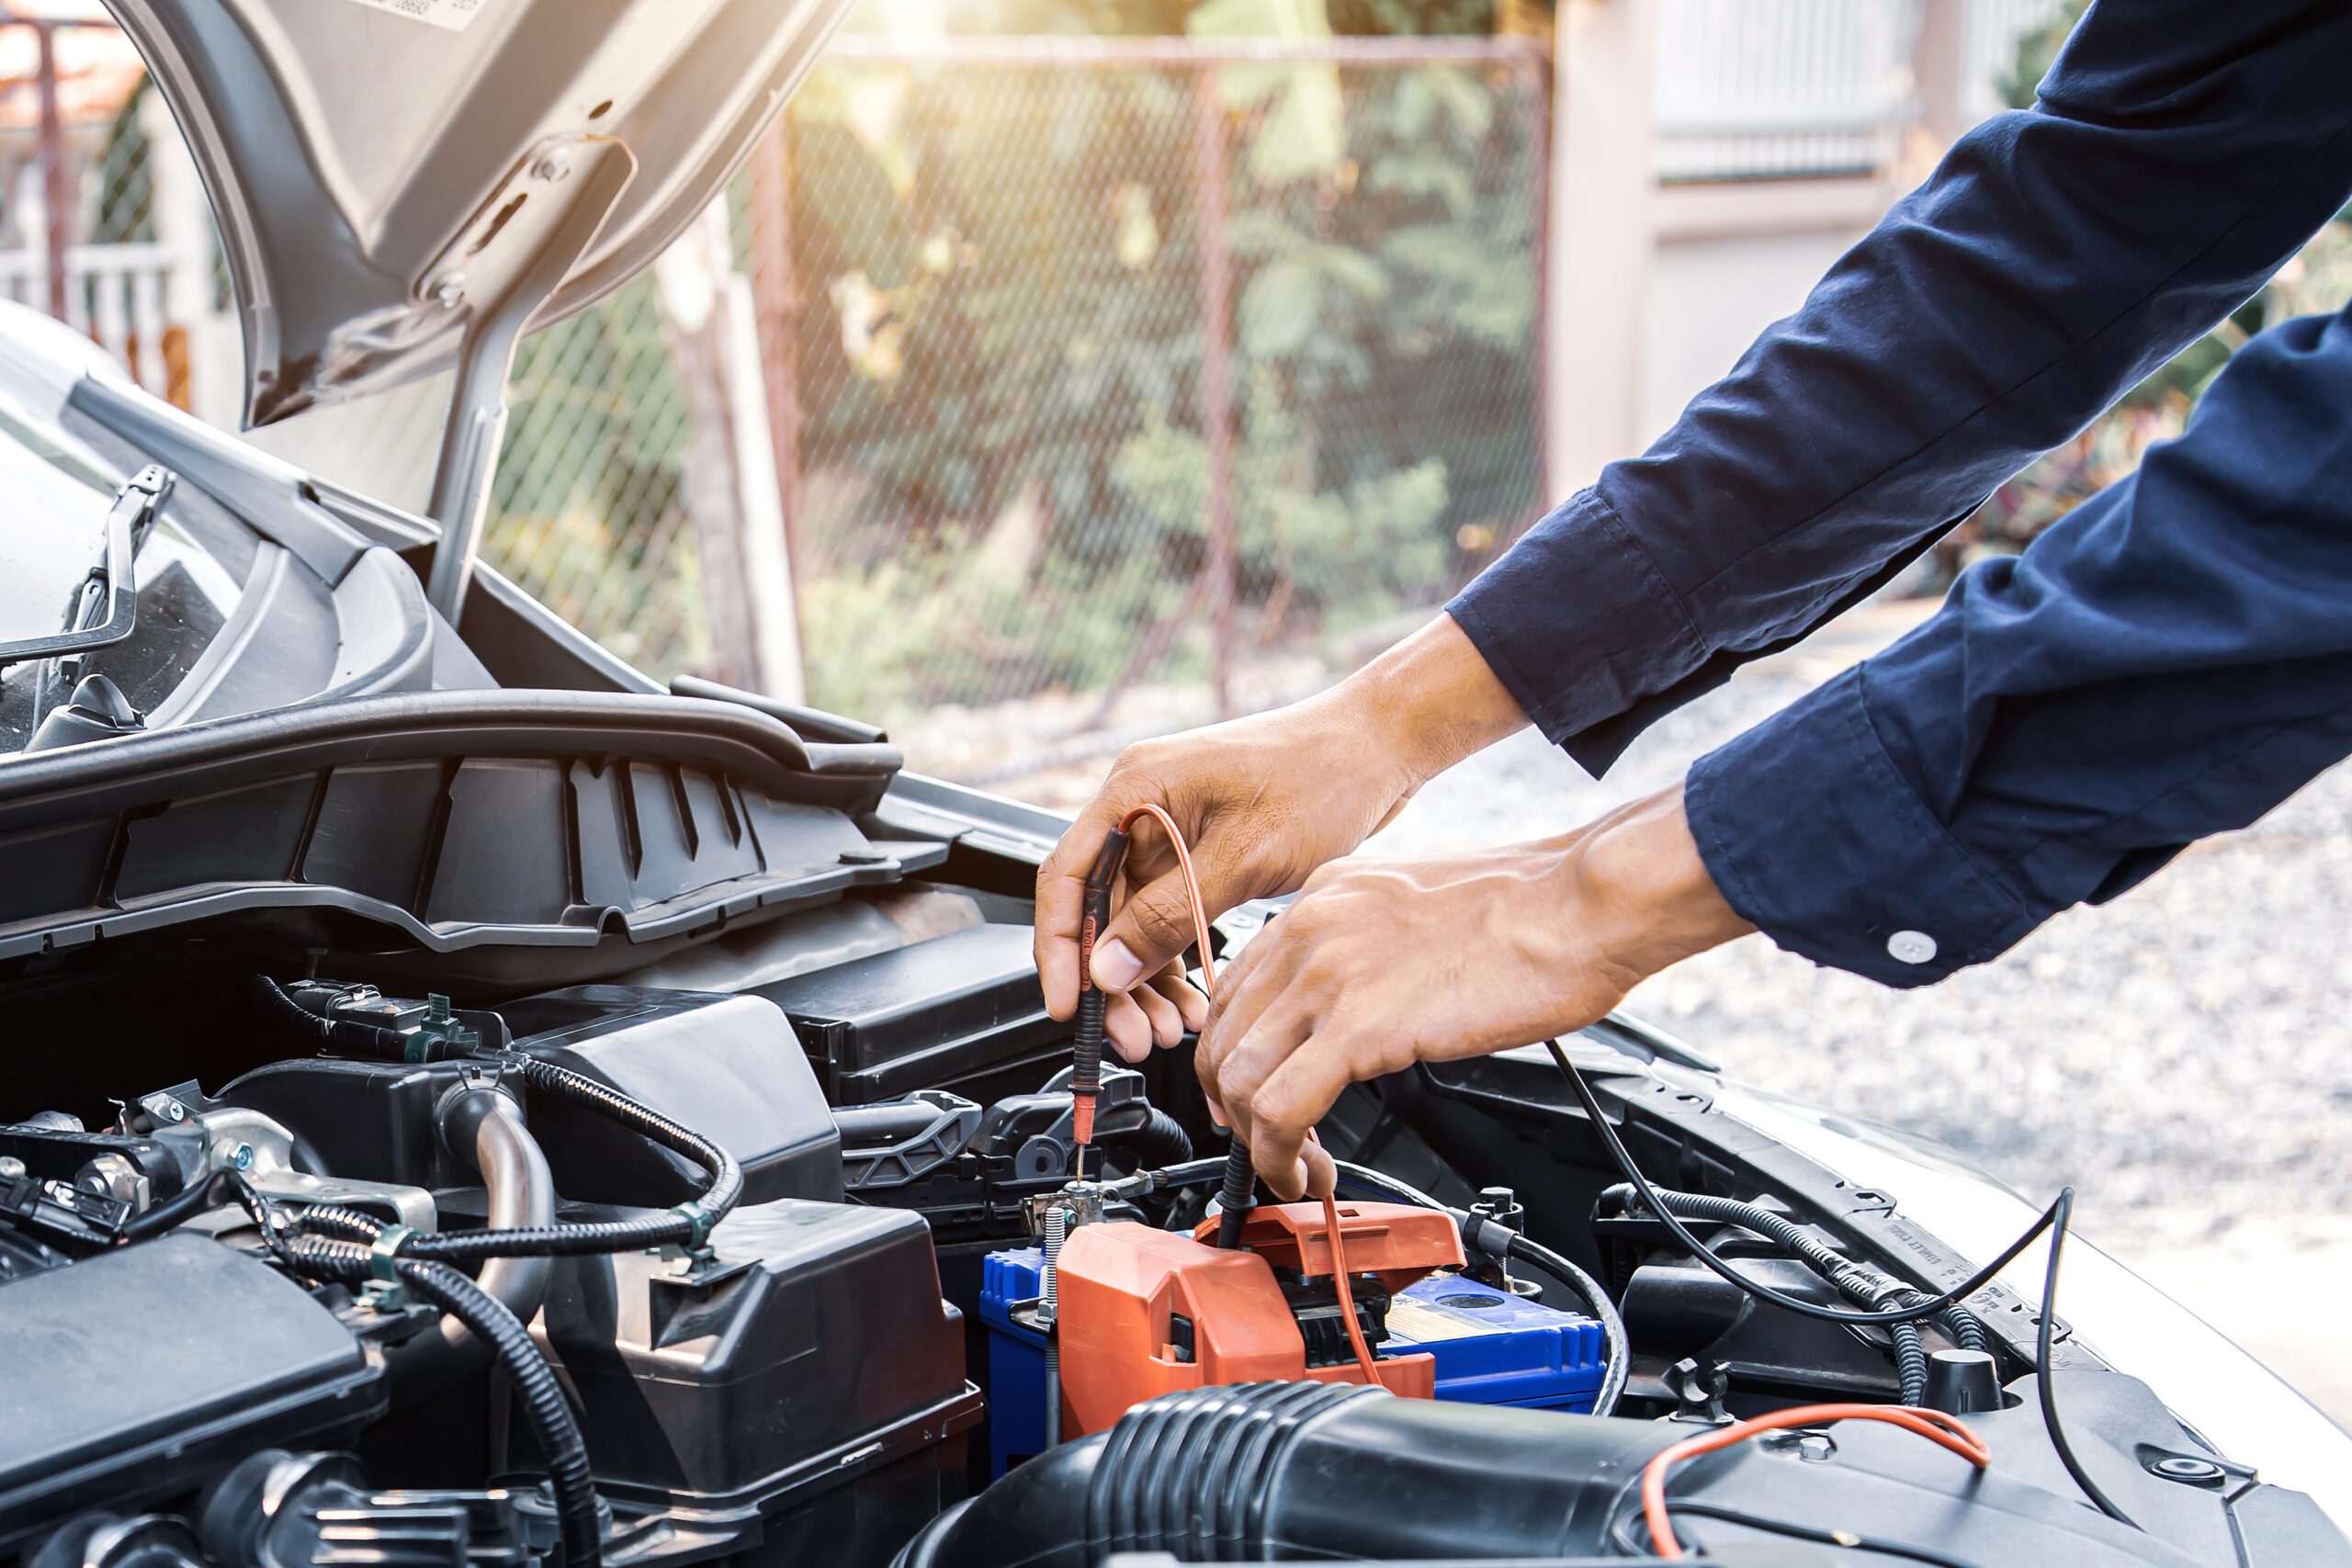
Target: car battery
1494	1347
1490	1347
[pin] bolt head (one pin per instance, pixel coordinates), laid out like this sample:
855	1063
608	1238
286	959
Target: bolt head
550	169
174	1111
2189	1468
11	1167
449	293
241	1157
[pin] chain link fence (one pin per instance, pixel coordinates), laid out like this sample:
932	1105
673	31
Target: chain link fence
1115	360
1078	366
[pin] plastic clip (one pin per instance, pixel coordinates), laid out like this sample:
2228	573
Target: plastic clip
384	1292
697	1250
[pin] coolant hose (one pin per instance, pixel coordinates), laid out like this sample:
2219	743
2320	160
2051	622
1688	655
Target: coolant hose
484	1124
1269	1472
577	1511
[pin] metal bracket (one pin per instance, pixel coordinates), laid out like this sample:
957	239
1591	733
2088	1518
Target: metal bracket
597	169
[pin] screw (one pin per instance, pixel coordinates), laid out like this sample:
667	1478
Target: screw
173	1110
241	1157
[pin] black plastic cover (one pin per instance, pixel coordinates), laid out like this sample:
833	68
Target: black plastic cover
458	820
961	1012
138	1374
815	1357
727	1067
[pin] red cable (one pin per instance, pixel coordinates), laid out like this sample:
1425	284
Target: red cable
1932	1425
1356	1341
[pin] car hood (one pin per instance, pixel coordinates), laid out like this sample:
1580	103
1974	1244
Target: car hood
379	166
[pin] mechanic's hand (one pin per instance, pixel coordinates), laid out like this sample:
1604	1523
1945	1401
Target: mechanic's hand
1383	963
1262	802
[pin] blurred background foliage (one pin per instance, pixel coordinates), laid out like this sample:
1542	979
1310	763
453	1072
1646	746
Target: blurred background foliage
1001	379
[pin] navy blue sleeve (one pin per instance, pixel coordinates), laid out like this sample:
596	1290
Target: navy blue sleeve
2170	660
2180	151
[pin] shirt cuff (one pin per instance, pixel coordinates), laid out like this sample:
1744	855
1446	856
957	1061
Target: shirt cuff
1814	835
1576	622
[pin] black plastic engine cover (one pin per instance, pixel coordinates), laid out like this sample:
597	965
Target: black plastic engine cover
812	1377
731	1067
960	1012
137	1375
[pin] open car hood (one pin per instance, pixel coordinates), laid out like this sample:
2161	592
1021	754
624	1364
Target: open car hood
378	167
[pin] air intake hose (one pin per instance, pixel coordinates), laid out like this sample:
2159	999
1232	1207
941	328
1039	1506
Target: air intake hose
1259	1471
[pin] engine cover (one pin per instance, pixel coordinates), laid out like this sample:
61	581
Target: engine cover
138	1375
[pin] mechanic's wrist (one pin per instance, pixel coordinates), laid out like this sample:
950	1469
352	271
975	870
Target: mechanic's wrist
1430	700
1637	891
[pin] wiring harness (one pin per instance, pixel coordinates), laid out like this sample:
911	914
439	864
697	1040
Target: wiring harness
2053	1220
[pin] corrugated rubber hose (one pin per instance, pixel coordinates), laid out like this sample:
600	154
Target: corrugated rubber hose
577	1511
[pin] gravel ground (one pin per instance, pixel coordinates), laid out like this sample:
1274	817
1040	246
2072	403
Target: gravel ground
2182	1056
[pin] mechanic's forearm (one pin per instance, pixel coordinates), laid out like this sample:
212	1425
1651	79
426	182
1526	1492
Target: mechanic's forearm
1632	890
1382	963
1429	701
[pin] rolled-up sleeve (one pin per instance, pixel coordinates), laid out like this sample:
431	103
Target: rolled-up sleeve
2169	660
2180	151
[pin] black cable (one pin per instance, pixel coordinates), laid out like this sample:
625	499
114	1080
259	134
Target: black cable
272	1000
577	1512
1479	1231
688	1224
2053	1219
1910	1364
1864	1286
1236	1195
2042	1368
1619	1362
1927	1306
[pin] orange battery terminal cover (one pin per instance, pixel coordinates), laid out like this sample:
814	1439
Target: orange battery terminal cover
1120	1283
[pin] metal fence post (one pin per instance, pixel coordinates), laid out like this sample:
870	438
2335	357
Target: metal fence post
57	181
1217	372
775	293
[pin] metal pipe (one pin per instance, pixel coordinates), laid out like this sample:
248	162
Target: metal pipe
485	1125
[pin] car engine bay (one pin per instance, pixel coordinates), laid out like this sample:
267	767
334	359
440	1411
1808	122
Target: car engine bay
805	1261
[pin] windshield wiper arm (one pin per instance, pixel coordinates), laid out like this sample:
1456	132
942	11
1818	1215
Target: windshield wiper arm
106	607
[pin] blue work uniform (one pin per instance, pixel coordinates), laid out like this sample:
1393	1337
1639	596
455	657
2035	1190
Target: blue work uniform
2171	659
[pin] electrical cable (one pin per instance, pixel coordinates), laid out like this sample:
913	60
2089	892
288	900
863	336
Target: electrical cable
578	1513
2055	1219
687	1224
2044	1369
1474	1229
1943	1430
1864	1286
1927	1307
1380	1184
